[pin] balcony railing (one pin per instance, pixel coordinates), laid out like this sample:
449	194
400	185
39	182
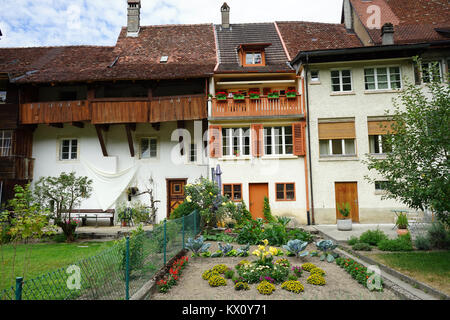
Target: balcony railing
55	112
261	107
16	168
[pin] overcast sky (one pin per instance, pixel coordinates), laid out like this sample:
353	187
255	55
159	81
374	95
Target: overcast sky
98	22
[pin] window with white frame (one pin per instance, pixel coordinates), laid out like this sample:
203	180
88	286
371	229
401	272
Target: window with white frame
378	145
337	147
68	149
5	143
148	148
253	58
236	141
380	185
315	76
387	78
278	140
431	70
341	80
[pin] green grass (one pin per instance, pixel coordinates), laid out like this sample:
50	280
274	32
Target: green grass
44	258
431	267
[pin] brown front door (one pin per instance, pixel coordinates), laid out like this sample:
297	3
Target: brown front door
347	192
175	194
257	193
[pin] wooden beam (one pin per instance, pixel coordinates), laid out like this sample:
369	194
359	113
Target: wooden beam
57	125
98	128
130	139
78	124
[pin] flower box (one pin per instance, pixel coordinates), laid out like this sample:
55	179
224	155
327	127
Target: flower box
273	95
291	94
221	96
254	95
239	97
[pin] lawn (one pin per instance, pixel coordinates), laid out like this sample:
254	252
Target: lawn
432	268
44	257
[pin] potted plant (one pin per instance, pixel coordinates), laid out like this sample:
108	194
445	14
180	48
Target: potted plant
254	95
402	224
346	223
238	96
125	216
291	93
274	95
221	95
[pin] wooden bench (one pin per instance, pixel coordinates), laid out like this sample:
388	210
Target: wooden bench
84	214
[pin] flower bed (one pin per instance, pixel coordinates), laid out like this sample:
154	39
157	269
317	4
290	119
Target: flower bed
360	273
173	277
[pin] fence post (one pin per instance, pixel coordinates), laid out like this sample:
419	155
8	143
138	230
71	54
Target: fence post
19	286
183	233
165	242
127	271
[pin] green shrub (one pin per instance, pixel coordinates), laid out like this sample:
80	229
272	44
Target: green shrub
251	232
353	240
267	211
184	209
362	246
402	243
275	233
373	237
439	237
300	235
422	243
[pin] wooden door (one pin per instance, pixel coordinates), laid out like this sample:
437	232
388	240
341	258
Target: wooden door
347	192
257	193
175	194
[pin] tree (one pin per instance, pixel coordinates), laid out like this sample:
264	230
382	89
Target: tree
62	194
417	169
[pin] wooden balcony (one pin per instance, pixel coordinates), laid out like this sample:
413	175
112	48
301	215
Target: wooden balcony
55	112
178	108
109	112
262	107
16	168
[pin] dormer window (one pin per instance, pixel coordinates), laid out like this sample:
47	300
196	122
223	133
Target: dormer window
164	59
253	55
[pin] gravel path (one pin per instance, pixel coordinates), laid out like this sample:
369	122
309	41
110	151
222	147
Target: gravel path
340	285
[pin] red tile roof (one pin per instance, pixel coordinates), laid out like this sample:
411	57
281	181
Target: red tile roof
414	21
309	36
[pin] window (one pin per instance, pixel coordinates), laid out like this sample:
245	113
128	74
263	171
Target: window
315	76
278	140
285	191
69	149
5	143
378	145
193	152
3	85
236	141
431	70
337	147
382	78
164	59
233	191
253	58
380	185
148	148
341	80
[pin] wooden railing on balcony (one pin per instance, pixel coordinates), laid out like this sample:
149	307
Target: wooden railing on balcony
16	168
55	112
263	106
178	108
109	112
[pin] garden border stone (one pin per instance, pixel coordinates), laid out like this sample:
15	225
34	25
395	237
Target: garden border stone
389	284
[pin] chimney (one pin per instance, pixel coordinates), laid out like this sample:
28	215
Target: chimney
225	9
134	18
347	15
387	34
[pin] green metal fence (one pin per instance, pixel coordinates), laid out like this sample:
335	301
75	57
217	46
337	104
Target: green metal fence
116	273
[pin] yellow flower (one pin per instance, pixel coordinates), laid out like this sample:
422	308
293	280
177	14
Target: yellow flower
189	199
266	242
262	248
211	194
273	251
256	253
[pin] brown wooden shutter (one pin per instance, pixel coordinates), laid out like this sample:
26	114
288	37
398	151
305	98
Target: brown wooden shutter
215	141
257	134
337	130
379	127
298	136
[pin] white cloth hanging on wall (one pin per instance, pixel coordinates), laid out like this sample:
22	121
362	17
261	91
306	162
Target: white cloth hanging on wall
108	186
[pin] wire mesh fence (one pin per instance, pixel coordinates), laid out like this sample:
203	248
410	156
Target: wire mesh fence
116	273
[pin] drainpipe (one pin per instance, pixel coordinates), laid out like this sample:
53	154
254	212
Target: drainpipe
309	142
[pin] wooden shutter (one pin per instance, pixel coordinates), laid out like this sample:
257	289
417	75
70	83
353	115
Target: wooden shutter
215	141
298	137
379	127
337	130
257	134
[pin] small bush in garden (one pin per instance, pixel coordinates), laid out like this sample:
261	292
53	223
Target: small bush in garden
438	236
241	286
361	246
220	268
402	243
353	240
243	263
297	271
292	277
422	243
373	237
269	279
266	288
296	247
283	262
308	266
229	274
208	274
327	247
217	281
300	235
319	271
316	279
293	286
